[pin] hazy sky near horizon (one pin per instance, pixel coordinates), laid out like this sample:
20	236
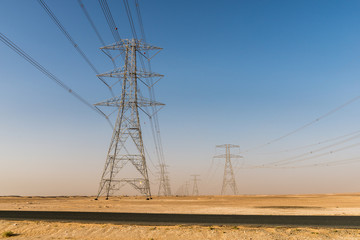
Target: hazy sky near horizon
239	72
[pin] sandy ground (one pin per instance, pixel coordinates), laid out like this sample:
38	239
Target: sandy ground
57	230
329	204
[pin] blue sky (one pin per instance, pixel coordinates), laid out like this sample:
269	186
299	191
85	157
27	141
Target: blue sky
240	72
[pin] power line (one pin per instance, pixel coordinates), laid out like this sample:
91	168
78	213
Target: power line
28	58
71	40
154	122
311	157
313	144
318	164
306	125
87	15
326	164
140	20
314	151
91	22
110	20
132	25
131	21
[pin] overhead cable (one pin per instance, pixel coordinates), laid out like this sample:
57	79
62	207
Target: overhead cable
154	122
140	20
130	18
325	164
314	151
37	65
110	20
91	22
311	157
313	144
87	15
71	40
305	125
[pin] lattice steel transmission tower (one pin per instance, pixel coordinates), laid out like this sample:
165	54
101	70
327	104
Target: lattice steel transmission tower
126	145
186	191
164	186
195	191
229	178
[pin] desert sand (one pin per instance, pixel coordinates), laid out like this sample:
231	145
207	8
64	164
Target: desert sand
315	204
55	230
319	204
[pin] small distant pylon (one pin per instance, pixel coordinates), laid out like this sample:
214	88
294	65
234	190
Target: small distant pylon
164	186
229	178
195	191
186	191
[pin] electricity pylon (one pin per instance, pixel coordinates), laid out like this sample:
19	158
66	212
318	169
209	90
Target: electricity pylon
186	192
126	145
164	186
195	191
229	178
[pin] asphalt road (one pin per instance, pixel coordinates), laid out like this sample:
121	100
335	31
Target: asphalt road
185	219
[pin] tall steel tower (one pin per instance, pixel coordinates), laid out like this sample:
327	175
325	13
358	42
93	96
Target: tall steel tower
164	186
229	178
195	191
126	145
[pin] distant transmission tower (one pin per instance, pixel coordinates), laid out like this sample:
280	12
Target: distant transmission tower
186	192
164	186
195	191
229	178
126	146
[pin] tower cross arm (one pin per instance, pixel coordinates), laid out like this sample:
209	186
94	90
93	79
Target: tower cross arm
124	43
117	102
230	155
143	102
228	145
119	73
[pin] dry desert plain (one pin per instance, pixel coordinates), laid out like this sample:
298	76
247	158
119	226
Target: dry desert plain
316	204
